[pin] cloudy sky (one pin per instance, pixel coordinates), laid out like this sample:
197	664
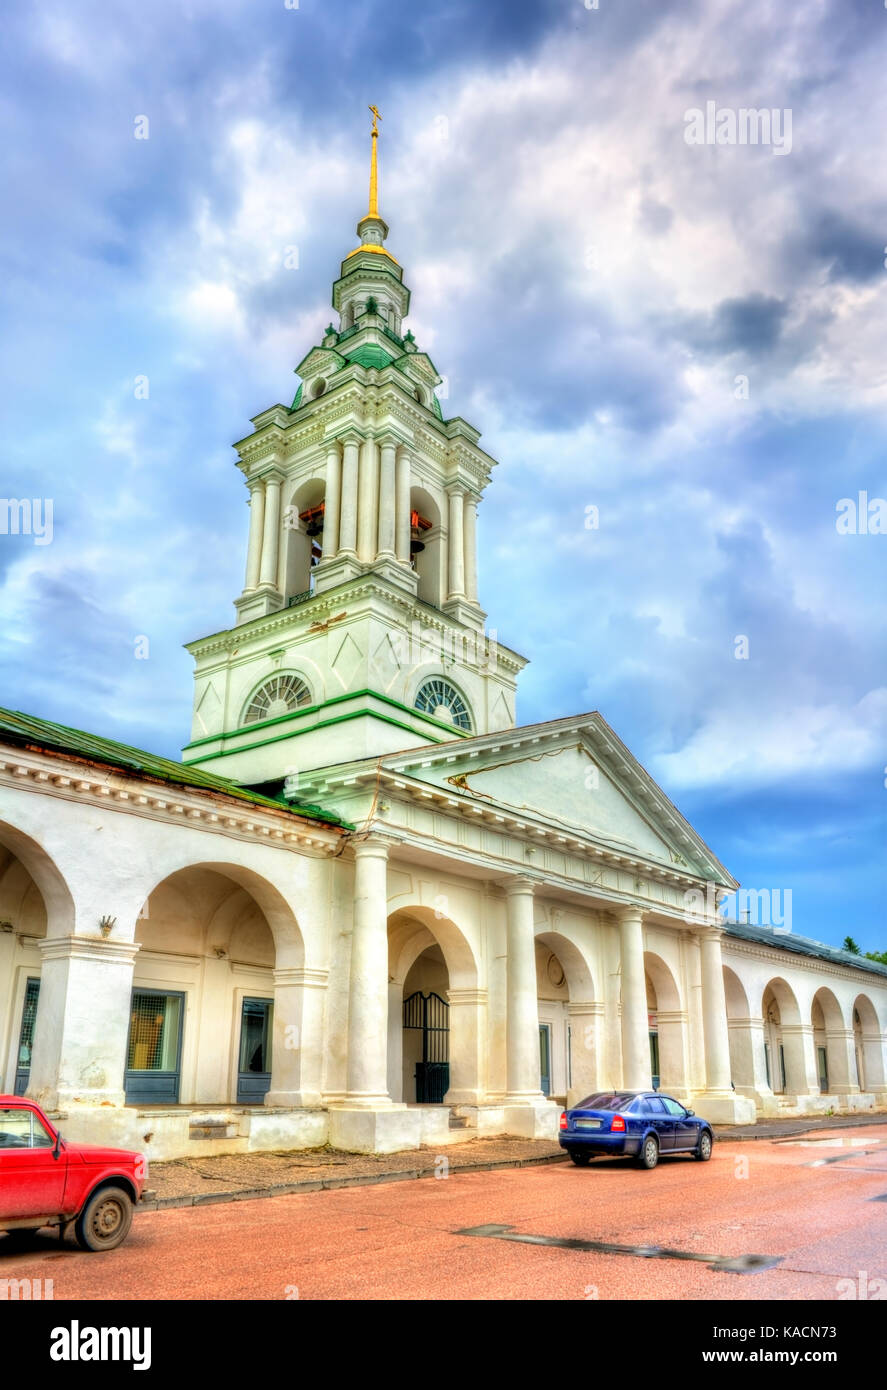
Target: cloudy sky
688	337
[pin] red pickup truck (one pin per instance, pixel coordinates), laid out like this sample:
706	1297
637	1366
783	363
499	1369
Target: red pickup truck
46	1181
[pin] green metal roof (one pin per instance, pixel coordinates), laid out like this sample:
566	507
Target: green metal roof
29	731
370	355
297	400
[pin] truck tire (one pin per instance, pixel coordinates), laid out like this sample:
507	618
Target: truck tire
104	1222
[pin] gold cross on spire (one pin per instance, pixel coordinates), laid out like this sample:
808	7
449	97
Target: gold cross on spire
374	175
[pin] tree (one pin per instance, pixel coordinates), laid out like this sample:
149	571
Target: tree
879	956
851	946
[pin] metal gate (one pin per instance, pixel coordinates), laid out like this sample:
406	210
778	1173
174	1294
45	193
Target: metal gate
26	1036
430	1014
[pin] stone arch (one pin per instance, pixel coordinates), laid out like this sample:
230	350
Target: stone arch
869	1046
830	1043
300	551
223	935
429	563
741	1030
670	1020
576	1073
46	876
417	934
288	940
783	1039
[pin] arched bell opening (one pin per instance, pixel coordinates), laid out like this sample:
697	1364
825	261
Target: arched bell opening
427	551
302	538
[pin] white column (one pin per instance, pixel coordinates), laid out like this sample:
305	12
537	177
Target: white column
367	517
714	1013
523	1079
470	528
387	503
368	992
271	535
256	523
82	1023
456	580
348	518
331	503
402	507
297	1046
636	1073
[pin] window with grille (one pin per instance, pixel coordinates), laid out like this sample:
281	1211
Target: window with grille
278	696
154	1032
443	701
29	1015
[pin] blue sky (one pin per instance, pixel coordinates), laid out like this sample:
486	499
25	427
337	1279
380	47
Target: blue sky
592	287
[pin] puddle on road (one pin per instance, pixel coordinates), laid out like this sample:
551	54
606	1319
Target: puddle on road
831	1143
727	1264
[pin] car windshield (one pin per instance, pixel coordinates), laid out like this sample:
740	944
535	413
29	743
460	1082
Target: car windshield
607	1100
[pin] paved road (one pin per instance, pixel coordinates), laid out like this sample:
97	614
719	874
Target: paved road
812	1205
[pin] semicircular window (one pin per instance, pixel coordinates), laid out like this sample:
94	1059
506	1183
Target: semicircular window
442	701
278	696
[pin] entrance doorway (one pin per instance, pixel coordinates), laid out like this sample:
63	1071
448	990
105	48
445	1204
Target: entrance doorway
254	1064
426	1022
154	1050
26	1036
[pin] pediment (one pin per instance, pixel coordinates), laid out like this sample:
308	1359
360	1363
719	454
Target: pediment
576	786
320	360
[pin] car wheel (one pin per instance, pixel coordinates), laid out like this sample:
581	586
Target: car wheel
649	1154
105	1220
580	1159
703	1148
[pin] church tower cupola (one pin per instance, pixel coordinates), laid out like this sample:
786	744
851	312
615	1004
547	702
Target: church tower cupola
359	630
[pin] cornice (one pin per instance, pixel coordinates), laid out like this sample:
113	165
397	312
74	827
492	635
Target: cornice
119	791
735	945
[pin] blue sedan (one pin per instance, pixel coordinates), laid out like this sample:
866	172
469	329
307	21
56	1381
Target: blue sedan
639	1124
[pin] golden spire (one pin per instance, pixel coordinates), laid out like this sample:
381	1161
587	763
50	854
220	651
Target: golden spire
374	174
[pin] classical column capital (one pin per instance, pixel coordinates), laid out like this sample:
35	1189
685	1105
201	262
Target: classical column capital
273	473
630	912
519	884
352	435
373	846
301	975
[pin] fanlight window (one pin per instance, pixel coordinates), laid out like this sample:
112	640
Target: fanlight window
277	697
439	699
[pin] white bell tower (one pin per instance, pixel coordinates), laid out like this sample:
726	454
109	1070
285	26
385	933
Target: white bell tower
358	631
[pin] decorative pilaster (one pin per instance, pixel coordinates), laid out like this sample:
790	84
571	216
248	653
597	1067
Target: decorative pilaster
82	1024
297	1047
367	503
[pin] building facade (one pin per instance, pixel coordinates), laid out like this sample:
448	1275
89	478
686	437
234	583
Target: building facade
367	908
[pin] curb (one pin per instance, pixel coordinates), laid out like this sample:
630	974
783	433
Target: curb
206	1199
790	1128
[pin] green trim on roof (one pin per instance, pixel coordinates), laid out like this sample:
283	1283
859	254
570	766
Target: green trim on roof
297	401
435	406
28	730
324	724
370	355
301	714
